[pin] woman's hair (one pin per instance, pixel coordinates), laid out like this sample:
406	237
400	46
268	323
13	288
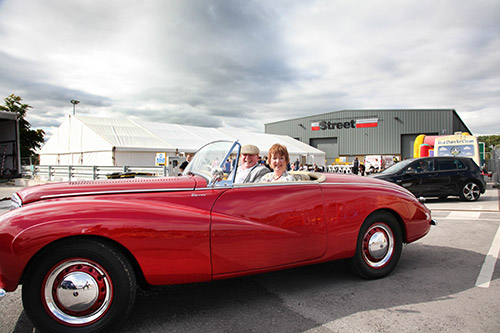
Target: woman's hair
279	150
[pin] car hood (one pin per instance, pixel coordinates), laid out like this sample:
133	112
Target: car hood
95	187
382	176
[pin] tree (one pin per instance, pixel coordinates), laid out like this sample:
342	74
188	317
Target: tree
30	140
489	141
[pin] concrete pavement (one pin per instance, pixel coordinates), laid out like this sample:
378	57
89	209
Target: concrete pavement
488	202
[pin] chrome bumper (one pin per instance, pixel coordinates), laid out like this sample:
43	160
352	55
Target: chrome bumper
2	293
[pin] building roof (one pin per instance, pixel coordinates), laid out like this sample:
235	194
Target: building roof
8	115
455	114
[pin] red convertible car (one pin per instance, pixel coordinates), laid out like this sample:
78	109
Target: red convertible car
80	248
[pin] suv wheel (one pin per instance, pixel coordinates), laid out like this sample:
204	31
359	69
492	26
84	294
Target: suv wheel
470	191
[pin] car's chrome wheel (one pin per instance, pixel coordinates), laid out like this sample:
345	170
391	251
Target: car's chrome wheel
79	285
378	245
470	192
378	248
77	292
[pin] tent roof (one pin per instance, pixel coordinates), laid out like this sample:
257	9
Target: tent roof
126	134
191	138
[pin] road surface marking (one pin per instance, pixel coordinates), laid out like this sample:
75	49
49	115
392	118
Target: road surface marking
464	215
486	273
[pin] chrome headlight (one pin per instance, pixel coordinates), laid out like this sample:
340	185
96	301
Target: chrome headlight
15	202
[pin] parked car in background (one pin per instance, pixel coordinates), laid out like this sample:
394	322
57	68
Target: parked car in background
438	177
80	248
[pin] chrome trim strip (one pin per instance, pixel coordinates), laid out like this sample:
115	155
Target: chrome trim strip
52	196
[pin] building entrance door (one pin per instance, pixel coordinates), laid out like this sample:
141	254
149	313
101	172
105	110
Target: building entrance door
329	146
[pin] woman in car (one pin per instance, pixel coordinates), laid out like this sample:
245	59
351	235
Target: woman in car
278	159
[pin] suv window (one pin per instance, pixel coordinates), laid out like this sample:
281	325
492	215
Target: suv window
460	165
446	164
422	166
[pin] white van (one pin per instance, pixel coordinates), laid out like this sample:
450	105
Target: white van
377	163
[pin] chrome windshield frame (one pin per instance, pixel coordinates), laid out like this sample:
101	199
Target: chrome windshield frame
228	182
203	163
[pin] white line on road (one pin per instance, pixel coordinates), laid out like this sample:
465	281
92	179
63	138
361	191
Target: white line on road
486	273
464	215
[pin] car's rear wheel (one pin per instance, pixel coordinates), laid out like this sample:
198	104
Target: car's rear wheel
79	286
379	247
470	191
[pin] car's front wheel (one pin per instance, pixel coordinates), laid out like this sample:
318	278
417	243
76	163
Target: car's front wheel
379	247
470	191
78	285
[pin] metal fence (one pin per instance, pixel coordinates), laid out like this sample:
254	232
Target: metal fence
494	166
82	172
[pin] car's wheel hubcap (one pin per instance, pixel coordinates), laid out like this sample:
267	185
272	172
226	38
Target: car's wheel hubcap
471	191
378	245
77	292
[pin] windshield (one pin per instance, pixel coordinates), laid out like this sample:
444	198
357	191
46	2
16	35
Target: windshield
396	168
211	158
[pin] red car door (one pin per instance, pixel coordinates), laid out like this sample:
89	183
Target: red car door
264	225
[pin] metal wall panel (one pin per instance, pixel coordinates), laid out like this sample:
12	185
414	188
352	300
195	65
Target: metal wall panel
385	139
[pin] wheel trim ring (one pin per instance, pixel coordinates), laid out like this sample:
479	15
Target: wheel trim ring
65	316
378	229
471	191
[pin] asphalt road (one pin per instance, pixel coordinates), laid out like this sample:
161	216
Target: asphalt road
433	289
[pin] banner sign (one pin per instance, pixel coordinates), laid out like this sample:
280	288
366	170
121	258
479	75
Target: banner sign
351	124
364	123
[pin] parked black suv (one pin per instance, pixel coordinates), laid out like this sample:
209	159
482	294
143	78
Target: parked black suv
439	176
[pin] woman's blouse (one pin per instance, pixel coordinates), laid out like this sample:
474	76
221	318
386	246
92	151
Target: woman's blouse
269	177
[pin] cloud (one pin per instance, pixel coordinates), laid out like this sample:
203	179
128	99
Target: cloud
245	63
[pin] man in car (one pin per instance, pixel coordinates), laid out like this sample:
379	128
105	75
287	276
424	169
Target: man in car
249	171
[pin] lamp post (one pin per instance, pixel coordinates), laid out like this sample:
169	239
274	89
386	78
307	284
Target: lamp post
74	102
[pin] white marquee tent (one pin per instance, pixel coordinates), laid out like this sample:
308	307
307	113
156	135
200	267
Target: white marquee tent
82	140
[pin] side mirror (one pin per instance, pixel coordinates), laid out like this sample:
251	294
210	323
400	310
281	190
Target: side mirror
217	175
410	172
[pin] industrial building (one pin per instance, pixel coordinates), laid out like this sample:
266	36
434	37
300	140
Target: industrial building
10	156
348	134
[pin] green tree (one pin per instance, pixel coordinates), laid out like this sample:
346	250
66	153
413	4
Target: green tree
489	141
30	139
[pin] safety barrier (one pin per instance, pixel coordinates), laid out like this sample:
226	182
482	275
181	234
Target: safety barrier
82	172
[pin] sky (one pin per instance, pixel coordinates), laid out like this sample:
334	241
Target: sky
245	63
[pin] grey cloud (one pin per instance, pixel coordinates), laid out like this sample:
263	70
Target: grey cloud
237	64
24	78
182	116
230	48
